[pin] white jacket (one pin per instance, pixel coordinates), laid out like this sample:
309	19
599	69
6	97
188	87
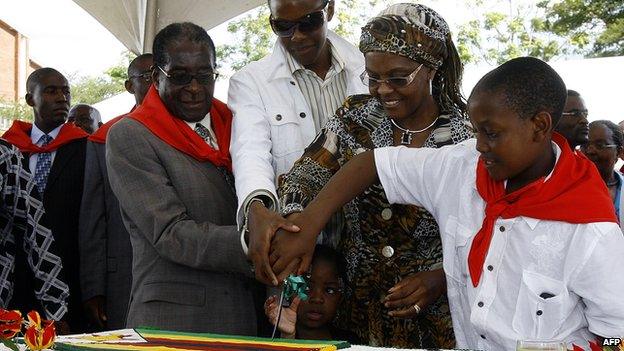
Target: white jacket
269	133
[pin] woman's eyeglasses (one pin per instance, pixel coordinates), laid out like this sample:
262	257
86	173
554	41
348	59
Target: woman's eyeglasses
308	23
185	78
598	145
395	82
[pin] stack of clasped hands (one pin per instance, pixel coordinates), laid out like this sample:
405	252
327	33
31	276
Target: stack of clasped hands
281	246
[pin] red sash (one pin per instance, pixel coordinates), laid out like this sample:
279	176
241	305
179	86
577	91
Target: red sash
574	193
100	135
19	135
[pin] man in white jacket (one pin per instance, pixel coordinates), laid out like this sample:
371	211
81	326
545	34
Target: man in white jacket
281	102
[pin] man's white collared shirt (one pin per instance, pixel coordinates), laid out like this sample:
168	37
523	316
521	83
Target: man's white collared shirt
35	135
541	280
206	122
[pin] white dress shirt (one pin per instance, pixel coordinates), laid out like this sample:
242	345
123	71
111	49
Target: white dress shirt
35	135
541	279
206	122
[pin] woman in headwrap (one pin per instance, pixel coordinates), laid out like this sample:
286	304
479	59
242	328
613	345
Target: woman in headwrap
395	294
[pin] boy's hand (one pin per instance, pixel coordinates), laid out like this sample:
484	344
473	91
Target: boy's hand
288	321
288	248
262	225
421	289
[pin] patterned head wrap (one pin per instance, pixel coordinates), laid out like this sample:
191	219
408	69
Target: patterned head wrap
419	33
411	30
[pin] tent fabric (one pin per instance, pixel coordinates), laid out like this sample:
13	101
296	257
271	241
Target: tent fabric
136	22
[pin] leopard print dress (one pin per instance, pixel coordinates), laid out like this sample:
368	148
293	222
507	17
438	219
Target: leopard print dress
372	224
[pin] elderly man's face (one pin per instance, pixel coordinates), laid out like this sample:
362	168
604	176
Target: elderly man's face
81	116
189	101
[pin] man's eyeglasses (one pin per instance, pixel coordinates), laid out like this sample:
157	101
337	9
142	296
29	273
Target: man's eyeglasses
185	78
598	145
146	76
576	113
308	23
395	82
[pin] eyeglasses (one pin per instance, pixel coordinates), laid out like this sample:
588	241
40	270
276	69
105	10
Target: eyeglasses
598	145
185	78
576	113
395	82
146	76
308	23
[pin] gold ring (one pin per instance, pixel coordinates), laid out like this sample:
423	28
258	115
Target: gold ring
416	308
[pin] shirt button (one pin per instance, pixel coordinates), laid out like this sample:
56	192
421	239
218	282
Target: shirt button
490	268
278	117
539	312
292	83
386	214
302	115
387	251
482	336
502	229
480	304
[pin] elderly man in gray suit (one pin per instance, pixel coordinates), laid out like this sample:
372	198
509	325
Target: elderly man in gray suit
169	166
104	243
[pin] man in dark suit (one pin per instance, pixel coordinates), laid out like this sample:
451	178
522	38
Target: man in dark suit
105	251
169	166
56	157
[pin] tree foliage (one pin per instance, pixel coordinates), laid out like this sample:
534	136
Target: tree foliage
93	89
16	110
594	27
495	36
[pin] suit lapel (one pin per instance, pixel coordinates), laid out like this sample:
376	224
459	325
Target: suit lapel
63	155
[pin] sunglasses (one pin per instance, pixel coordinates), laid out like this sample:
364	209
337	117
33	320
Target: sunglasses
146	76
599	145
185	78
395	82
307	24
576	113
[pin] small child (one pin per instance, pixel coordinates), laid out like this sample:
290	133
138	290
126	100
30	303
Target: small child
532	249
313	319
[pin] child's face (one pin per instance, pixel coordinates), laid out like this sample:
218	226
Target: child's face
509	145
323	297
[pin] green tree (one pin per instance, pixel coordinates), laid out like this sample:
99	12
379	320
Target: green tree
496	36
93	89
594	27
15	110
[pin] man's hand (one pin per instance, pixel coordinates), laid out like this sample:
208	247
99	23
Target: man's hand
288	319
421	289
262	225
289	248
95	308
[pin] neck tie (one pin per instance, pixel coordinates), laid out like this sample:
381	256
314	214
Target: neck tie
44	162
204	133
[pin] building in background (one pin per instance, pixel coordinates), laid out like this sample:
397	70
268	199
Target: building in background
15	66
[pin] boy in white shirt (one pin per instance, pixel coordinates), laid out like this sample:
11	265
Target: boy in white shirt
532	249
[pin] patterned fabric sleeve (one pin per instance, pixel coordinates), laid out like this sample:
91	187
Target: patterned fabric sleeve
312	171
22	216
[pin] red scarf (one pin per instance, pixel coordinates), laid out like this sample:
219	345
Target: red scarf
100	135
574	193
153	114
19	135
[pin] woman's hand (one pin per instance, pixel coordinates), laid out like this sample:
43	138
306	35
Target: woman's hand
290	248
420	289
262	225
288	321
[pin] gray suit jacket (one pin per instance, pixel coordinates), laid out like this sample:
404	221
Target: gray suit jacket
189	270
105	251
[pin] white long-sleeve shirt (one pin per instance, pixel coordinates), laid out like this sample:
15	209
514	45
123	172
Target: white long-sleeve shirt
541	279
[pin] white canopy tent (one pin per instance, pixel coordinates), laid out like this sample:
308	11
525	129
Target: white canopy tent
136	22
